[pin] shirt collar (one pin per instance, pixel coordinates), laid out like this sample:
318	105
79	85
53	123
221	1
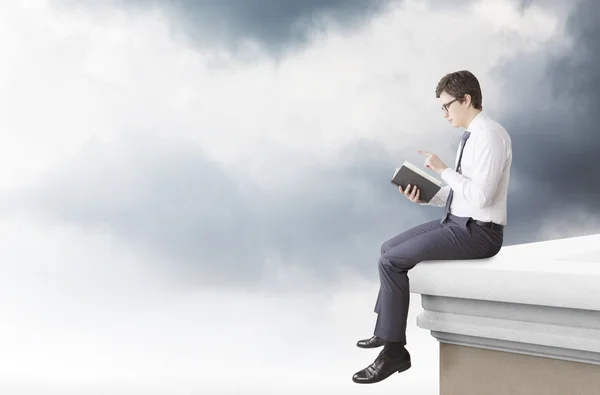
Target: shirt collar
477	122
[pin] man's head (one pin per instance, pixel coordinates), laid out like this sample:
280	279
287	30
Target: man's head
459	95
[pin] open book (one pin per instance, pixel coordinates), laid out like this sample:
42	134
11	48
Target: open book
410	174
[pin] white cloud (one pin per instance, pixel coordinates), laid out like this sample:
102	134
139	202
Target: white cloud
66	77
580	222
530	26
91	314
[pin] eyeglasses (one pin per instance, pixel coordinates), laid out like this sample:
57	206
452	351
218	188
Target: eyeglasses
446	105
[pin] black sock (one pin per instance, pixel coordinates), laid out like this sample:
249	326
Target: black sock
394	349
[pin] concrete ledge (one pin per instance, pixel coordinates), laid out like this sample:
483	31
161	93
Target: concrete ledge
536	330
540	299
562	273
467	370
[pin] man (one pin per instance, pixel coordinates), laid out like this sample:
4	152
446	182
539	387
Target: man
475	201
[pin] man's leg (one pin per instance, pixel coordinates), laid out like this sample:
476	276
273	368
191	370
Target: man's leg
418	230
453	240
401	238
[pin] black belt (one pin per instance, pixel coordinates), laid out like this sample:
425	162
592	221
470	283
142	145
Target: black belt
491	225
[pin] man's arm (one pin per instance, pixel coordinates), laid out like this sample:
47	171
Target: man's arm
439	199
488	166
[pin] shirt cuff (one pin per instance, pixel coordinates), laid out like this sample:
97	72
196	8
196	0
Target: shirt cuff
450	177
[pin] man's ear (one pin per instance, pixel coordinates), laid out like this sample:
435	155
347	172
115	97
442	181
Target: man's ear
467	100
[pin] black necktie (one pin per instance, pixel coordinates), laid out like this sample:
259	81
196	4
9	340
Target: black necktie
463	141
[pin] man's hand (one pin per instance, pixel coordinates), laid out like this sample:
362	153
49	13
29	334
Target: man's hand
433	162
413	195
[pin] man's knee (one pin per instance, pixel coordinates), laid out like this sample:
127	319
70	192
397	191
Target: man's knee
384	246
395	263
390	243
385	265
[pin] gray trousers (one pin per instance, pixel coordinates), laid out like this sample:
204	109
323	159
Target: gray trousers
457	238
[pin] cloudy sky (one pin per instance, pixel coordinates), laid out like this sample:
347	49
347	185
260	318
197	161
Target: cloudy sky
193	194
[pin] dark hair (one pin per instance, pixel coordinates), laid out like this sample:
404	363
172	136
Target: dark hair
459	84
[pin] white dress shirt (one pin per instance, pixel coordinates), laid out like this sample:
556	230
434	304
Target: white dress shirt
481	190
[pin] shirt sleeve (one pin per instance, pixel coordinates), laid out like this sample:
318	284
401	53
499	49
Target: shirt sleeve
439	199
487	170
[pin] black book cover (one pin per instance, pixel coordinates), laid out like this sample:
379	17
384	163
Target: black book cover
411	174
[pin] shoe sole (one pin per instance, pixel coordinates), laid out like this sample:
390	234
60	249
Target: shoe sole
367	347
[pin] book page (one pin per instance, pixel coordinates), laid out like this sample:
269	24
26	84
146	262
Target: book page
421	172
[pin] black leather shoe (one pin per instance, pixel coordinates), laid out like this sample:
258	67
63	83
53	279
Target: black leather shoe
373	342
383	367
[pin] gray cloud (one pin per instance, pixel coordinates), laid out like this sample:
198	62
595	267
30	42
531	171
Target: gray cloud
553	124
208	226
275	26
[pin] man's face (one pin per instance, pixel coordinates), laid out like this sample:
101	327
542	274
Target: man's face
452	109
